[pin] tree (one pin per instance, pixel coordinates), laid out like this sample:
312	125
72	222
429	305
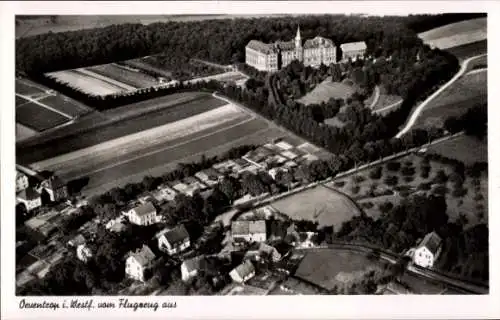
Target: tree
230	187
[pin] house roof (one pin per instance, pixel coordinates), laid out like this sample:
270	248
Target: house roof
144	209
78	240
56	182
143	255
194	263
244	269
176	235
20	175
243	227
261	46
28	194
285	45
432	242
353	46
318	42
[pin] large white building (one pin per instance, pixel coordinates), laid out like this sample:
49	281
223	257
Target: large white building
428	250
274	56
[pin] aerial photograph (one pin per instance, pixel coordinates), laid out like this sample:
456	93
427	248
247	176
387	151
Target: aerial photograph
283	154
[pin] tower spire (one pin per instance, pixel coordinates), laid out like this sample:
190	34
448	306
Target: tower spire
298	40
297	37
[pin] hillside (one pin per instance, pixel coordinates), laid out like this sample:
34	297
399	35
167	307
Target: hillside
456	34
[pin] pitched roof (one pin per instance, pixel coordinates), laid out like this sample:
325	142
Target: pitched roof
318	42
244	269
28	194
243	227
285	45
353	46
261	46
20	175
56	182
143	255
194	263
78	240
432	242
144	209
176	235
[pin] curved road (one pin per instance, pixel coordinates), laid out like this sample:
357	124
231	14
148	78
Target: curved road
421	107
377	96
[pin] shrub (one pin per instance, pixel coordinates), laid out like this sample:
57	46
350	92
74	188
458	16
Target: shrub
440	190
478	197
475	182
339	184
393	166
408	179
355	189
404	193
386	206
408	163
479	207
358	179
459	192
440	177
376	173
367	205
391	180
408	171
424	186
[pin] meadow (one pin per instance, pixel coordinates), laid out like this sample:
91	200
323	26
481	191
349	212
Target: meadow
327	90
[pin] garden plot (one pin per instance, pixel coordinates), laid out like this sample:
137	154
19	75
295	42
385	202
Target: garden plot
327	90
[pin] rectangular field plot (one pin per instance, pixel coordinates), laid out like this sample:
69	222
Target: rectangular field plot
326	90
37	117
87	82
25	88
469	50
65	105
23	132
328	268
133	78
466	149
119	129
320	204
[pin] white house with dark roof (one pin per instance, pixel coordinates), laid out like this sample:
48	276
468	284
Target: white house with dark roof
244	230
243	272
353	50
174	240
30	198
143	215
427	252
83	253
138	262
190	267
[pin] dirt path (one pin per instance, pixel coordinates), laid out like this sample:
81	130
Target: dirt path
377	96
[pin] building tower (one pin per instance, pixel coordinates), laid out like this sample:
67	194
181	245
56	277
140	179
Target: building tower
298	45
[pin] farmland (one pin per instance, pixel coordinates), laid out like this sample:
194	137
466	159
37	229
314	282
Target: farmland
319	204
469	50
164	113
326	90
466	149
329	268
89	82
23	132
34	116
119	73
467	91
456	34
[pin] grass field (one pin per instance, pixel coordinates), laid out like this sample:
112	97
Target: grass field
141	65
123	75
456	34
231	76
386	100
467	91
326	90
28	88
37	117
469	50
65	105
466	149
319	204
23	132
129	125
333	267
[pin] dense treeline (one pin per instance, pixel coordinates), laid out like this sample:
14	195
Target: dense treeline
221	41
474	122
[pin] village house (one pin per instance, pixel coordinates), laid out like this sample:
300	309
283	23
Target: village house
243	272
174	240
353	50
56	188
428	250
262	251
138	262
116	225
209	176
249	230
190	267
30	198
143	215
21	181
76	241
164	194
83	253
